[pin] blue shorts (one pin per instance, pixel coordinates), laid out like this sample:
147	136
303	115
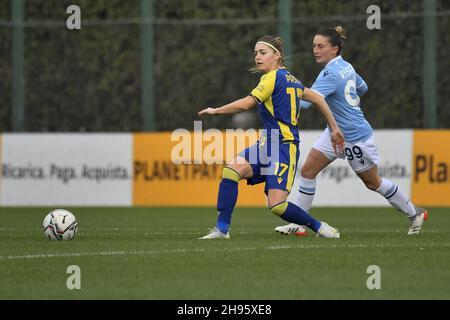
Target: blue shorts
276	169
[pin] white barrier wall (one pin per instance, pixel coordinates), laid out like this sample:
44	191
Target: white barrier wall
338	185
66	169
97	169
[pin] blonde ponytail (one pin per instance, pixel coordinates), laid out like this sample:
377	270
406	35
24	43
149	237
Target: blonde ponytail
341	32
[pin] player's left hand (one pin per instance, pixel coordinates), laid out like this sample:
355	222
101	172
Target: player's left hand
337	139
207	111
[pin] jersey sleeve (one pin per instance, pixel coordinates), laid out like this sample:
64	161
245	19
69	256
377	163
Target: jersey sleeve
305	104
325	85
265	88
361	86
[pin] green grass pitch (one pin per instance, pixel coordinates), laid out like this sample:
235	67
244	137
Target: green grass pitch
153	253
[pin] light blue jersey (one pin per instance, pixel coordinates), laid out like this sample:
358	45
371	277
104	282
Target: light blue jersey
342	87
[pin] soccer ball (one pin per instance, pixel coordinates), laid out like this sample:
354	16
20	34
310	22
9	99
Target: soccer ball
60	224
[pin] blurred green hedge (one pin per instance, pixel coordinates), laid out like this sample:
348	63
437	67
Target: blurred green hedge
89	80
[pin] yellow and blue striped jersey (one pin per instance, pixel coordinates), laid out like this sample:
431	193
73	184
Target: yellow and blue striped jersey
278	95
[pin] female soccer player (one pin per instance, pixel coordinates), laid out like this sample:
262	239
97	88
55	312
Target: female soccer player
342	88
273	159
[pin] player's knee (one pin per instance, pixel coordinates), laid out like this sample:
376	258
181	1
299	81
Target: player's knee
279	209
228	173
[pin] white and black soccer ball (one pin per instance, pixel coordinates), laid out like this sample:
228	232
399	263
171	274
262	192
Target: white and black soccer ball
60	224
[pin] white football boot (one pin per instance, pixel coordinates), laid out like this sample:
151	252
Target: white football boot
415	223
328	231
292	228
216	234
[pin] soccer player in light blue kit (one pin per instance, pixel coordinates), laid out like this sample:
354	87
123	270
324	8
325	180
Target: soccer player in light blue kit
342	87
273	159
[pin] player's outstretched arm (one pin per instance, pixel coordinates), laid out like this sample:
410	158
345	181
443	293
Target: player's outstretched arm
337	137
237	106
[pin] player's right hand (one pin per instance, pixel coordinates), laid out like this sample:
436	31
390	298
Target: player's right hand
337	140
207	111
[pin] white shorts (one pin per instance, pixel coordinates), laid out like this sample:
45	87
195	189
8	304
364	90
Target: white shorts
361	155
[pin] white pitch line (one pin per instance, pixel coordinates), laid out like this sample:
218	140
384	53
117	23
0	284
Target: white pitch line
113	253
184	250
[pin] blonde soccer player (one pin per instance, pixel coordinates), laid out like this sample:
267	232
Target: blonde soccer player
273	159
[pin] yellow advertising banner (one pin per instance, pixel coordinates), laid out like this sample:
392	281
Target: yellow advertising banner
178	169
431	161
